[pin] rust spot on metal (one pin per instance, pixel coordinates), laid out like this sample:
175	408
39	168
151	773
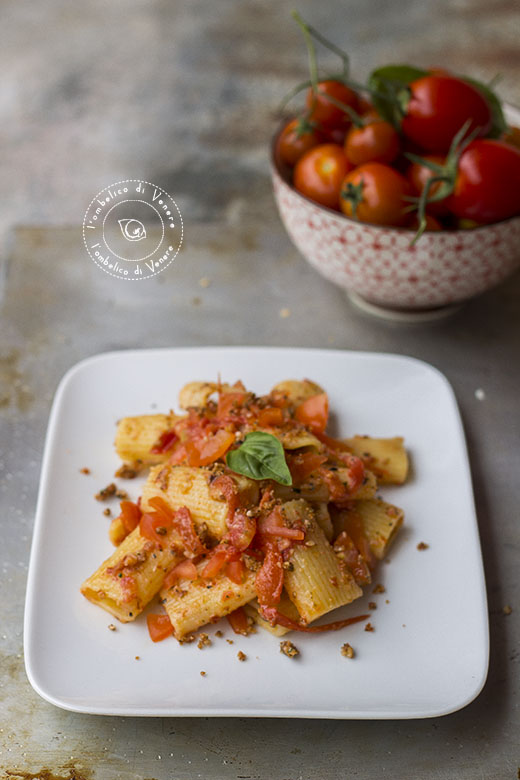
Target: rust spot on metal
45	774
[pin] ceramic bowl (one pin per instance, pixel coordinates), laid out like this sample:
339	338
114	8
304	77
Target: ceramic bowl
379	267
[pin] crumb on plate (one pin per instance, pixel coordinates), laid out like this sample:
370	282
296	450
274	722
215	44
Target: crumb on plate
241	656
347	650
204	641
288	649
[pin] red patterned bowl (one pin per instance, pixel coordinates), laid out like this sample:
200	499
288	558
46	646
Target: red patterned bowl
379	265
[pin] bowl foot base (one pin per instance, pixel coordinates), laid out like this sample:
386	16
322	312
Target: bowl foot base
402	315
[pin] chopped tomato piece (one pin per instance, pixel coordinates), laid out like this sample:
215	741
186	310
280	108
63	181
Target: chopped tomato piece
337	490
217	561
230	402
314	412
185	570
304	464
159	627
164	443
130	515
269	578
356	471
202	452
353	558
333	444
235	571
178	455
277	619
183	523
270	417
238	621
163	509
353	525
274	525
225	486
242	530
152	526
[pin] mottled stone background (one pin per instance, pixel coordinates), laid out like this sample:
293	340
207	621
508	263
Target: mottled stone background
184	93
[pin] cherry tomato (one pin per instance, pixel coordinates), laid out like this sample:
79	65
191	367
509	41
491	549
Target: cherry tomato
487	185
319	173
418	175
376	141
297	137
431	223
323	111
375	193
437	109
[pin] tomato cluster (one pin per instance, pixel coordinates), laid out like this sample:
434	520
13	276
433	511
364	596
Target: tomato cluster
411	148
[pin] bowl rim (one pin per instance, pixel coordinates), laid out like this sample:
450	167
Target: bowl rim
508	107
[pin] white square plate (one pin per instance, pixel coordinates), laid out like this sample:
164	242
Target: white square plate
428	654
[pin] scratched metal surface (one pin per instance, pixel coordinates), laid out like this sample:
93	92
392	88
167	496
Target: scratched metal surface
182	94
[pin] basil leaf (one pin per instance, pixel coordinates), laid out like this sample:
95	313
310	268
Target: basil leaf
498	122
399	74
387	84
261	456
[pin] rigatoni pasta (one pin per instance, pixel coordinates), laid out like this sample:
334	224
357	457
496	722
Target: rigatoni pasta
249	510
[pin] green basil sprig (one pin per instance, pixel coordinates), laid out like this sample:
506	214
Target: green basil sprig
261	456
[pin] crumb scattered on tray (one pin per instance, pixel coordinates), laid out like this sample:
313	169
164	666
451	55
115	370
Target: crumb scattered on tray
219	634
204	281
507	609
138	658
84	470
288	649
422	546
387	601
107	512
369	627
347	650
111	627
203	674
241	656
379	588
284	313
229	641
372	605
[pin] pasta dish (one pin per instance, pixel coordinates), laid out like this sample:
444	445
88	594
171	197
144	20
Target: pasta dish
250	510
